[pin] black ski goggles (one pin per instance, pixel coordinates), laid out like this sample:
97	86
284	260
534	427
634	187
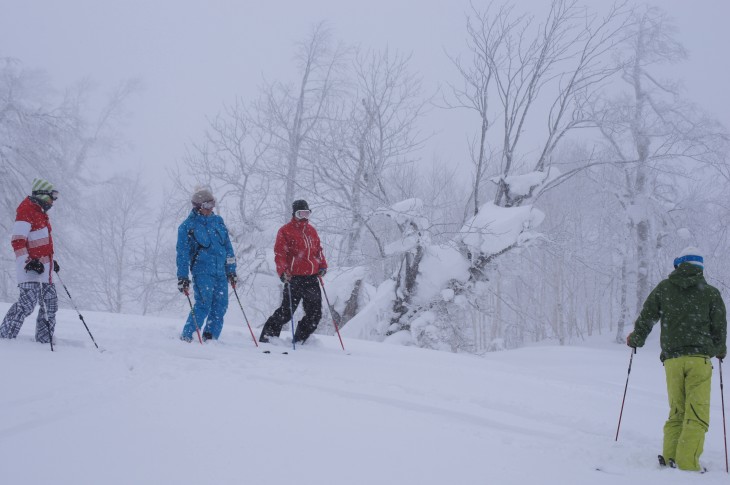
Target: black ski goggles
53	194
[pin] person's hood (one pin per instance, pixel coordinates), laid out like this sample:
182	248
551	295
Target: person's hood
687	275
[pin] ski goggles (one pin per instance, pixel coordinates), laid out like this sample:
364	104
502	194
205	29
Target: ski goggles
208	204
302	214
53	194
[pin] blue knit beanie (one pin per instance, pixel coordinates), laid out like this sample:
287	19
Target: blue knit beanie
690	255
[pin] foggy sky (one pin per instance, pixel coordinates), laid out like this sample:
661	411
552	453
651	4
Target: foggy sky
193	57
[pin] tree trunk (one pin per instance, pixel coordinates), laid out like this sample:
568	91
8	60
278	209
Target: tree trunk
642	259
352	305
624	303
408	278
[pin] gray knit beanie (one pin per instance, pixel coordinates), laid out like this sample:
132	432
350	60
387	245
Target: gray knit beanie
201	196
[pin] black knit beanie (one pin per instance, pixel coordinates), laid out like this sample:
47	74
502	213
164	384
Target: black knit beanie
299	205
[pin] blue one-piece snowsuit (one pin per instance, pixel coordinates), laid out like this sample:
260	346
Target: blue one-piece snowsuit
204	249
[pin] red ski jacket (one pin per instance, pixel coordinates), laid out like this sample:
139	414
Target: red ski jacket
32	239
297	250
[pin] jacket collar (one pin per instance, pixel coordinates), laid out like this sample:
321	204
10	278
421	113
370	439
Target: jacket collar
299	222
37	203
686	275
194	213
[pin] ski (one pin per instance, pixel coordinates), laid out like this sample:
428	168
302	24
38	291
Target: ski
268	352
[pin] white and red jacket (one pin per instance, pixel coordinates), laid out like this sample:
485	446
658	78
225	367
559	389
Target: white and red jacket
297	250
32	240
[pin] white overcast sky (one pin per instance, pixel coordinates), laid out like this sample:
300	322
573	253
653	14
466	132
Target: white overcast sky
195	56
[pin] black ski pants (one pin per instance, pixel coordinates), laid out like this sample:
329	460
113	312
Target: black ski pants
304	289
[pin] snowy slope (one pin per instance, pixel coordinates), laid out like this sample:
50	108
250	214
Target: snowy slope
154	410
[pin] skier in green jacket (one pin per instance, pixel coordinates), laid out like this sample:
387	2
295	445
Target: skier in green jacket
693	330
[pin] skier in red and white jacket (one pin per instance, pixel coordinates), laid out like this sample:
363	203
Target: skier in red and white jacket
299	262
32	242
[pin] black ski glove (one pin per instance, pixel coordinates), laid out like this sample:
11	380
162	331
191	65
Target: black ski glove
35	265
322	271
285	277
56	267
232	279
183	284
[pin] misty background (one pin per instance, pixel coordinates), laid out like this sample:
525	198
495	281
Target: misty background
482	174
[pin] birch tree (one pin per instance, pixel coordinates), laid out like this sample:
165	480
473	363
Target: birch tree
655	138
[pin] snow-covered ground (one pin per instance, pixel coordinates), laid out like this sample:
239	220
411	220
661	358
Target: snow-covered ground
153	410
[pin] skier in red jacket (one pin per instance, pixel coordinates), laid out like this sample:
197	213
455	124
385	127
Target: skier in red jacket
299	262
33	246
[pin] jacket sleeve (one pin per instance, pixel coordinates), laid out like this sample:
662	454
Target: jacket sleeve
230	255
718	324
280	251
19	239
650	314
183	251
322	260
21	230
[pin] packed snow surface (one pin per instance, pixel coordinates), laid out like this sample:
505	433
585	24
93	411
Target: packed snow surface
151	409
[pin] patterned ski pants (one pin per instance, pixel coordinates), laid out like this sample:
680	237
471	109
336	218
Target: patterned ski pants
30	295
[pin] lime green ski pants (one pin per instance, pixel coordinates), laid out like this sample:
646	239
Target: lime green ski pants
688	387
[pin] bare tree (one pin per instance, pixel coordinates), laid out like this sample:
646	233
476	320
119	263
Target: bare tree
292	114
156	269
522	71
561	62
44	133
517	66
232	160
378	132
475	92
655	138
112	256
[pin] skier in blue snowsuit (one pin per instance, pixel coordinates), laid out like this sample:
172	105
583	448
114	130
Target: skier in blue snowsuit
204	249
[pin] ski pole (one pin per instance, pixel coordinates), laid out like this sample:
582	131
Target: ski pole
291	309
244	315
192	312
77	309
633	351
332	314
724	433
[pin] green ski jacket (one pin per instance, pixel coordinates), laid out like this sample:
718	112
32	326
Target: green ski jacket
692	314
